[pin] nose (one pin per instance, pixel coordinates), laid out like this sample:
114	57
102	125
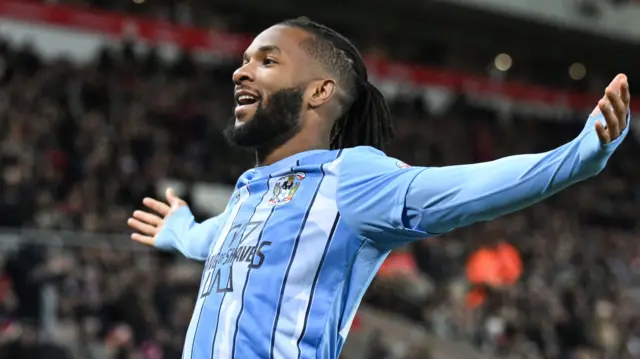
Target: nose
242	74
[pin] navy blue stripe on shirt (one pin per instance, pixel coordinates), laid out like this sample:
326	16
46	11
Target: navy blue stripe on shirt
315	281
204	282
215	334
244	289
293	255
246	281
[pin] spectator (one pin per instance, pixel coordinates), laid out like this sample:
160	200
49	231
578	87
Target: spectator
81	145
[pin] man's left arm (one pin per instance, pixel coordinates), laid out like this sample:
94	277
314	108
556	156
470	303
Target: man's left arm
442	199
391	205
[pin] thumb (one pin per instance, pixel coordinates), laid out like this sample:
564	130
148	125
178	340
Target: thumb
174	201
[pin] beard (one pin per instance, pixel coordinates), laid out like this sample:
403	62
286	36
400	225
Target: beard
272	125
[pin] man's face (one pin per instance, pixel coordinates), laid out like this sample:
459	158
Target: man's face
270	89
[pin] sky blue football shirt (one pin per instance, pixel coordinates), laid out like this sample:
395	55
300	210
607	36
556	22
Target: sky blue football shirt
287	263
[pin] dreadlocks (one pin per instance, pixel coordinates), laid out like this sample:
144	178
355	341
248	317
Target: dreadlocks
367	119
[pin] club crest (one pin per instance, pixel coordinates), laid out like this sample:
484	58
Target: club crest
285	188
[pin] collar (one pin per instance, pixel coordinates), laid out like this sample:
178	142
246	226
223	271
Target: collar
282	166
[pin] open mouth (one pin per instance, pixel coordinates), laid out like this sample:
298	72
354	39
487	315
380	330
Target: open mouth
244	98
245	101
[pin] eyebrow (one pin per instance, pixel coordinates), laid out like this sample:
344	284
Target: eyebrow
264	49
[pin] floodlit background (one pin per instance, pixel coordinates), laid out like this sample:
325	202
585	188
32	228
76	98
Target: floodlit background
103	102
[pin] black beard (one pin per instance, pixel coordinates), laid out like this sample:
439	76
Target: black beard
272	125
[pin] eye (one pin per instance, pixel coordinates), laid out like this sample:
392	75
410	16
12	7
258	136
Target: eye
268	61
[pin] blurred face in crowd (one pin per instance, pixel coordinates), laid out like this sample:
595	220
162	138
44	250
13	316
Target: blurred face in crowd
272	88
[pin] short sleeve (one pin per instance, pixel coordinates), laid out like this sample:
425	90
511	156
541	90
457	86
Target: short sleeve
371	195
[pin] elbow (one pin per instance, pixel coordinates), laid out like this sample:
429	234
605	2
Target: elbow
442	223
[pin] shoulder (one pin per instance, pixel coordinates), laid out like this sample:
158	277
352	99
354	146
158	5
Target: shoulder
363	151
371	193
368	161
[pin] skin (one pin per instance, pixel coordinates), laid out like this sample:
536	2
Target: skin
614	105
275	61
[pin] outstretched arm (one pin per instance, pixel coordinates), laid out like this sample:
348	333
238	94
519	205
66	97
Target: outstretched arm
183	234
173	228
441	199
384	201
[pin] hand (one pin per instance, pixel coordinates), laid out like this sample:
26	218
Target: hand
149	224
614	105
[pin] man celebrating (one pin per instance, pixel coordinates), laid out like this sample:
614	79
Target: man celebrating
288	261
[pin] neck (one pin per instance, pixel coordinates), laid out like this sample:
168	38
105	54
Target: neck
302	142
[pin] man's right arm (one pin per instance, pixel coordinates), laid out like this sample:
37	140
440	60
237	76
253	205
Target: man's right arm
183	234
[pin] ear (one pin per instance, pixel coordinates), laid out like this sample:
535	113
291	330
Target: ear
320	92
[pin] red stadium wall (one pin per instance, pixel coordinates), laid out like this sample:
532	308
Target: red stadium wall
78	33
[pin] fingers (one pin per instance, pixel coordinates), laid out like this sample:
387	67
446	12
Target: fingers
603	134
174	201
142	227
614	106
619	108
160	207
147	217
611	112
597	110
171	196
625	94
148	224
147	240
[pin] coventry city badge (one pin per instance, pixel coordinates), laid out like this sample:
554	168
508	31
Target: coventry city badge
285	188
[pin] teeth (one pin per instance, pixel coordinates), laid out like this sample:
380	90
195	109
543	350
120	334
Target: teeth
246	99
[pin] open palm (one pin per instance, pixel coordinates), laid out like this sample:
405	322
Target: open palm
148	224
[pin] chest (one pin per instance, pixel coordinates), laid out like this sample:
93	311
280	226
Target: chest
275	212
268	224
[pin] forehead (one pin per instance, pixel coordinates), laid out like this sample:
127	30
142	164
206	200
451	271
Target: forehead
279	38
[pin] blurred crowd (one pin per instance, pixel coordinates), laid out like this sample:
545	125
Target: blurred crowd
438	47
181	12
80	146
94	303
